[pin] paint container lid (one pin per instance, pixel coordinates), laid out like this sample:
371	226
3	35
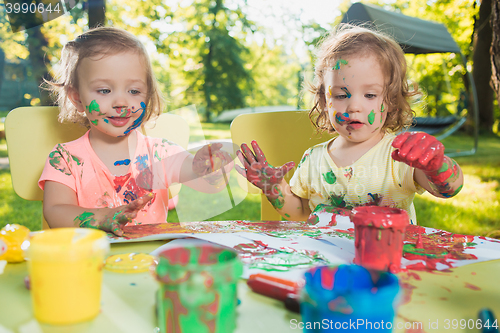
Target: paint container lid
349	289
66	244
185	265
380	217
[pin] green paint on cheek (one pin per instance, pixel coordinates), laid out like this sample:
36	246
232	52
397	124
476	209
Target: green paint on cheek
371	117
381	107
93	107
330	177
94	122
286	215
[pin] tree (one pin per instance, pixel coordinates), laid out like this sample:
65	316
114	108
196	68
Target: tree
495	47
97	13
482	71
210	51
37	46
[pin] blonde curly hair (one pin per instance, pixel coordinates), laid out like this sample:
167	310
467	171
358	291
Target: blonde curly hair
347	40
100	41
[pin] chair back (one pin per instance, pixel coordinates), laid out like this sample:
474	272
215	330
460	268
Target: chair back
284	136
32	132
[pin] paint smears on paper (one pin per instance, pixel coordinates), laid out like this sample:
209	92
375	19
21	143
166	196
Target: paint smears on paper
258	255
439	248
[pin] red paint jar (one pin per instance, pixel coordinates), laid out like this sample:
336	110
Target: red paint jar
379	233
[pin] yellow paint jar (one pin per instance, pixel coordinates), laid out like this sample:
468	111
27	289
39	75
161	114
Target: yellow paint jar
65	268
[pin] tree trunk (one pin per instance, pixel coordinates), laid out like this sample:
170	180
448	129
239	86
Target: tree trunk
97	13
495	48
2	66
482	66
37	46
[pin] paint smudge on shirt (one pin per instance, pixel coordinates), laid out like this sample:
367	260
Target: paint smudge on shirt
141	162
122	162
60	155
330	177
348	173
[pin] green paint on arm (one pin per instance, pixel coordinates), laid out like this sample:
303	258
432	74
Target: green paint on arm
371	117
86	220
279	201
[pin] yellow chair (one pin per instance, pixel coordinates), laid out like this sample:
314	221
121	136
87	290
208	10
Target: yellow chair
31	133
283	136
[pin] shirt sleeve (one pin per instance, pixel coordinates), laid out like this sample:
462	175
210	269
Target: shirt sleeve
58	168
404	176
172	156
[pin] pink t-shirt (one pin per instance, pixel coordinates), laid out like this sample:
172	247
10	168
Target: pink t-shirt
156	164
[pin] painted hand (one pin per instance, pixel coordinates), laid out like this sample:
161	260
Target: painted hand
425	152
116	218
259	172
419	150
210	162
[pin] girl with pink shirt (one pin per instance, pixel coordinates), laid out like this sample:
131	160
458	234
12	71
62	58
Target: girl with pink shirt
113	174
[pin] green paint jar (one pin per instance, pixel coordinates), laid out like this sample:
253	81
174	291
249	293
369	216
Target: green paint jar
197	289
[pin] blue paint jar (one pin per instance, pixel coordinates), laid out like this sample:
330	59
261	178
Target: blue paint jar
348	298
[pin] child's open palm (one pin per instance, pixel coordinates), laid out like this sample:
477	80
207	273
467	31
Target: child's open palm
259	172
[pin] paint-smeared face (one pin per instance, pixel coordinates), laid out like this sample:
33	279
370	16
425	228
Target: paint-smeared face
112	92
354	88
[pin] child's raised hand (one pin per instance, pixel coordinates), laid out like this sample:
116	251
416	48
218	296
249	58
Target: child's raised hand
117	217
419	150
210	162
259	172
211	158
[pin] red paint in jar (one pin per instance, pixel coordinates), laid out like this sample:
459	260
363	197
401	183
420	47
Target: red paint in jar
379	234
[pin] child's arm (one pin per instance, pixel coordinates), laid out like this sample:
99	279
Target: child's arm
437	173
60	209
272	183
208	171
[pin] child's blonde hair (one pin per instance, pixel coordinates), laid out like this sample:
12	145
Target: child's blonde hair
99	42
348	40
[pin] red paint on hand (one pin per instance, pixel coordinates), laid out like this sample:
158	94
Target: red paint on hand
259	172
419	150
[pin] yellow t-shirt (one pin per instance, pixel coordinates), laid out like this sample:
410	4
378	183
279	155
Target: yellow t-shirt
374	179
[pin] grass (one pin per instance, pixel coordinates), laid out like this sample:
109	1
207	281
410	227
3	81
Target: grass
475	210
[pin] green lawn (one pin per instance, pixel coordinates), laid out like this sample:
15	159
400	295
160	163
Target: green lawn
476	210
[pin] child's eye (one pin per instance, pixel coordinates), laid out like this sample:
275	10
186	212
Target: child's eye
370	96
134	92
340	96
104	91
